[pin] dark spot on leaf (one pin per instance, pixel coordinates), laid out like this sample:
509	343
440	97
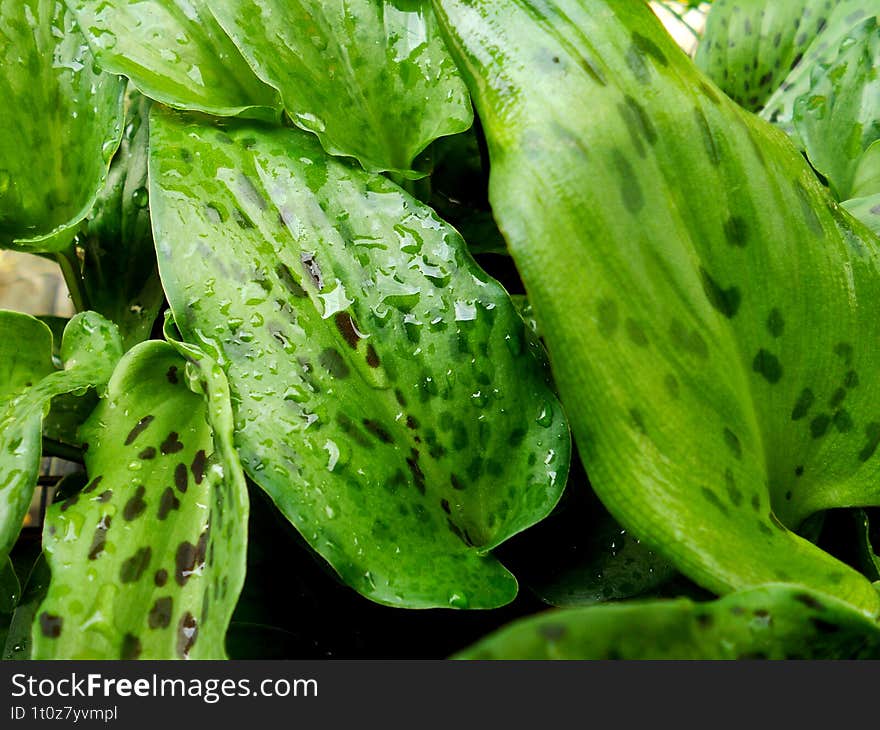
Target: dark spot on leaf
50	625
167	502
802	405
708	138
851	379
285	276
725	301
333	363
136	505
844	351
147	454
712	498
636	334
798	471
187	633
181	479
99	539
372	356
133	568
172	375
412	461
161	577
819	425
345	325
872	436
637	420
131	647
733	443
630	189
69	502
775	323
160	613
843	421
172	444
456	482
185	562
809	601
733	492
691	342
378	430
767	365
93	485
594	72
444	503
736	231
138	429
105	496
198	467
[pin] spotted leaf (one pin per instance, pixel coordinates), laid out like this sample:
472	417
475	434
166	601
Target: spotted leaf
865	201
89	350
174	52
838	119
371	78
841	18
148	559
387	395
770	622
60	123
749	47
707	306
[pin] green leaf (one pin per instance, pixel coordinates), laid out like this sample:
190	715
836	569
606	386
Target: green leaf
148	560
174	51
770	622
10	589
18	640
120	277
386	393
371	78
60	123
838	119
660	231
841	19
750	46
865	203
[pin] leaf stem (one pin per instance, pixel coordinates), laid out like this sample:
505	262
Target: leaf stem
59	450
67	260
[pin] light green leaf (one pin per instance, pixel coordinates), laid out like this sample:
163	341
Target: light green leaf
750	46
174	51
838	119
770	622
386	393
89	351
148	560
120	277
841	19
371	78
707	306
60	123
865	203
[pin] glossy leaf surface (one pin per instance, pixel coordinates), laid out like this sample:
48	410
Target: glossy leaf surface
174	52
658	227
60	123
771	622
371	78
387	395
89	350
148	559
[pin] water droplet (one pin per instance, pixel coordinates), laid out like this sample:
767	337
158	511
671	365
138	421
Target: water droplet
457	600
545	415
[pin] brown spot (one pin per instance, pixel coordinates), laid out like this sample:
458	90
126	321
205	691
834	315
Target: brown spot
181	480
378	430
172	375
198	466
412	461
69	502
456	482
445	505
148	453
139	428
348	330
372	357
131	647
105	496
50	625
411	423
135	506
133	568
161	577
187	632
171	445
93	485
185	562
167	502
99	540
160	613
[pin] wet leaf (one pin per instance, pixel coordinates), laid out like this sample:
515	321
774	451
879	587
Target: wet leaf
770	622
371	78
750	46
60	123
120	277
148	560
838	119
18	640
658	228
89	350
387	395
10	590
174	51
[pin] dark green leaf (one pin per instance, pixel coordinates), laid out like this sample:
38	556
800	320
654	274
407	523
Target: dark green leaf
371	78
770	622
148	560
18	640
60	123
386	393
707	306
174	52
10	589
